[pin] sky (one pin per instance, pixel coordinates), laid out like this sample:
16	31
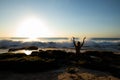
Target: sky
60	18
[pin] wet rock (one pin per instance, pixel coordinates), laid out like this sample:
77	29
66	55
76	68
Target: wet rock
22	48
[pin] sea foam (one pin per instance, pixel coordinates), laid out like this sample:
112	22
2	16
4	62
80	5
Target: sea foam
96	43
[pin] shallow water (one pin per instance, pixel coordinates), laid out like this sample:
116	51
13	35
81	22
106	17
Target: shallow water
99	44
3	51
28	52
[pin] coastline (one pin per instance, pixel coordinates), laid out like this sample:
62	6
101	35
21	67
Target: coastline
59	74
59	63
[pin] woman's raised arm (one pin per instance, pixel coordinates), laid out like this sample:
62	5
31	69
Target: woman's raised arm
83	41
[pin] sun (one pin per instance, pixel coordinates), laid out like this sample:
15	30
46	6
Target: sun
33	28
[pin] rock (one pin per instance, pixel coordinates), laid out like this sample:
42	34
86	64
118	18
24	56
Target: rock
26	48
15	49
72	70
35	53
31	48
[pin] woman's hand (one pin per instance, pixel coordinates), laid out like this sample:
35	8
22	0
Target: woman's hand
84	38
73	38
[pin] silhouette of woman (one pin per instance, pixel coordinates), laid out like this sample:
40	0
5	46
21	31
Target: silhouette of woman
78	45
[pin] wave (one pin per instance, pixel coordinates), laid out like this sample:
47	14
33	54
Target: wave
10	43
91	43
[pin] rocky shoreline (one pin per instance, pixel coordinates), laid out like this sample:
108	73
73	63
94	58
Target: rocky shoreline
43	61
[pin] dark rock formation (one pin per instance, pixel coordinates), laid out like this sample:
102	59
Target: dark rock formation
23	48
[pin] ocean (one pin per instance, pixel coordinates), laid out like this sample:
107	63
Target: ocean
64	43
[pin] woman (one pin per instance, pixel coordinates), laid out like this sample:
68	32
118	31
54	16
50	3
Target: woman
78	45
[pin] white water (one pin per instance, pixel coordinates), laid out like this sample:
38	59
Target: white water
109	44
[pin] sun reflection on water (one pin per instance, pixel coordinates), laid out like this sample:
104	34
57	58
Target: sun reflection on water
27	52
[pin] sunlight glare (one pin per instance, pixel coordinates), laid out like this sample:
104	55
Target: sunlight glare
27	52
33	28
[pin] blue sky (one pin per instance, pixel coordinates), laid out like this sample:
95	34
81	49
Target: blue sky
63	18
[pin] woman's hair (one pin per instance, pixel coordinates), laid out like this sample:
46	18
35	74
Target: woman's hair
78	43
